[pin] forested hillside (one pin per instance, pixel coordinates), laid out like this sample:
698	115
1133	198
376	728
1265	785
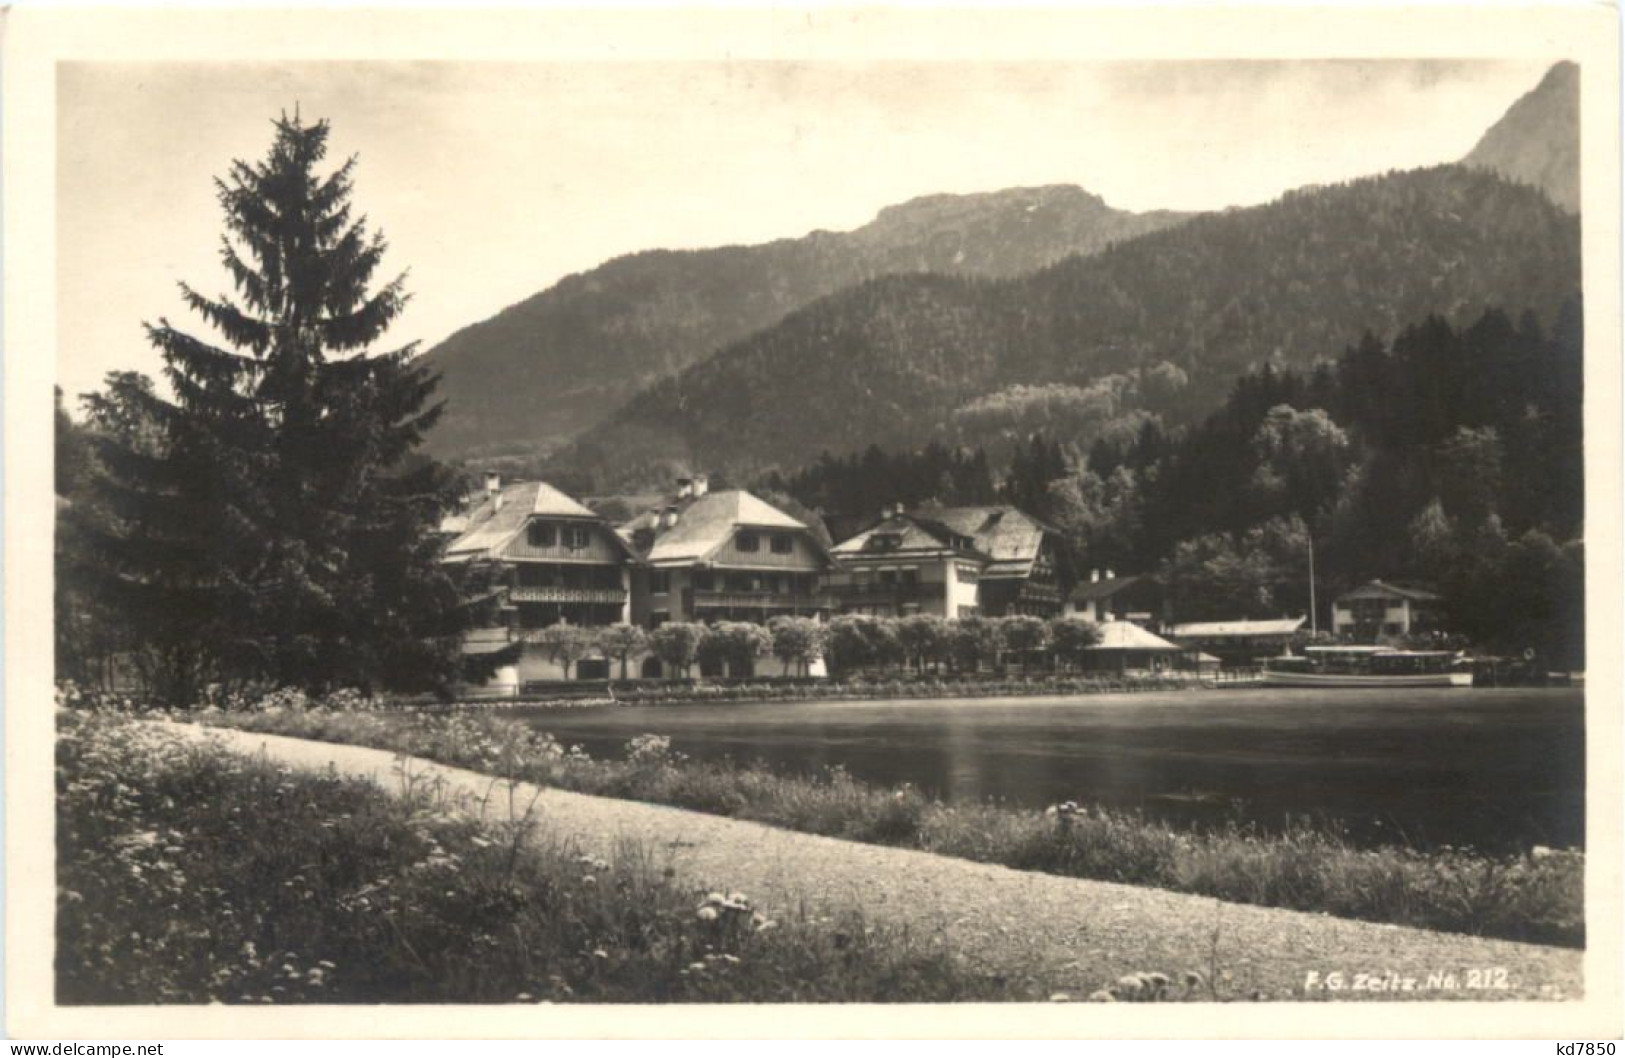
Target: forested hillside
1450	457
544	369
1178	314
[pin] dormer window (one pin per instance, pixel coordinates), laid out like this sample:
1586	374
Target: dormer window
883	542
576	537
749	542
540	534
782	544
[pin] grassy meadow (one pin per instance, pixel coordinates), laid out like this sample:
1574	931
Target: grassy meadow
190	875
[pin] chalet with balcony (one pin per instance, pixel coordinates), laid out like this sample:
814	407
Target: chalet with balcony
1379	610
723	556
546	560
1020	577
908	564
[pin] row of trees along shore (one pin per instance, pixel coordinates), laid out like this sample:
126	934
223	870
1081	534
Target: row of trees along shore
849	643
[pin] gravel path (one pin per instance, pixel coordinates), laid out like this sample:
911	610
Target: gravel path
1056	934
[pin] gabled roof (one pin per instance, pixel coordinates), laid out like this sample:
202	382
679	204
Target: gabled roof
1008	535
1378	587
705	523
915	534
1103	589
1284	626
1125	635
486	529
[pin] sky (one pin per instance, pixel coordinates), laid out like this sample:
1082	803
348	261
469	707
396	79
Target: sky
492	181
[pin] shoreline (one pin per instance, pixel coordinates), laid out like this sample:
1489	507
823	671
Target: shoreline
1192	696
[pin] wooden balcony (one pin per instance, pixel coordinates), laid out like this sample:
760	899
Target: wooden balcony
761	600
601	596
1040	591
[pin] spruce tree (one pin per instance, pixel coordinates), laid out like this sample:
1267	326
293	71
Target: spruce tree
283	528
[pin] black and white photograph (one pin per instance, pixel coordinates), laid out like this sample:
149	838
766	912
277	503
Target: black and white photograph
824	524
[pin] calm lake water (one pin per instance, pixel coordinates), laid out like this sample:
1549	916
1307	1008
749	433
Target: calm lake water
1490	768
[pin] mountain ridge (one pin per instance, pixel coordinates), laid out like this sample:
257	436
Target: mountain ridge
1537	141
559	361
1294	281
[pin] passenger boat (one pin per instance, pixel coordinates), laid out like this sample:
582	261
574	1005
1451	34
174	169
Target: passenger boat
1368	667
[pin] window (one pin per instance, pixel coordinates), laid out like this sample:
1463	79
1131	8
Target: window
540	534
704	580
909	575
748	542
577	537
660	582
782	544
888	576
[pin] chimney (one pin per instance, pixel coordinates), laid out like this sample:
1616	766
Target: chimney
685	488
493	489
702	485
668	517
1094	576
1111	574
891	510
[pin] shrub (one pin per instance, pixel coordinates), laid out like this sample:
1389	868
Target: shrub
190	875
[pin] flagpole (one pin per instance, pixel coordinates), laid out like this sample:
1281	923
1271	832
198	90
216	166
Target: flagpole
1314	622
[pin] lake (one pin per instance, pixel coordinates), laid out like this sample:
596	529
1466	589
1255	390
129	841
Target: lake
1493	768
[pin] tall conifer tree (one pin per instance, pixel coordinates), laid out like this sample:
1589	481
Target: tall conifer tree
275	532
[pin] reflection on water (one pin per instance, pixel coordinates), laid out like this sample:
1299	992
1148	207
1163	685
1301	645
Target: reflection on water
1485	767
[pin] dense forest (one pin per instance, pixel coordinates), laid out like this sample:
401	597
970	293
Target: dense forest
521	382
1451	457
1159	325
